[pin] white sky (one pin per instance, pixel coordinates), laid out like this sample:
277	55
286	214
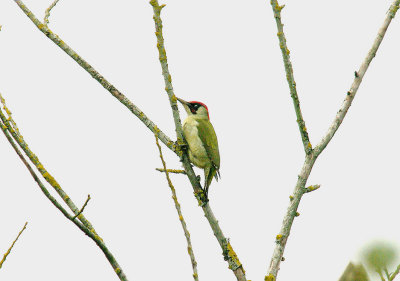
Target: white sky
226	54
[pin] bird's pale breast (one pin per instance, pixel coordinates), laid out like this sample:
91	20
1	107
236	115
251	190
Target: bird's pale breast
197	153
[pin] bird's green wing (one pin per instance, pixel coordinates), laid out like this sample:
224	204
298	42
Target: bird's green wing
209	140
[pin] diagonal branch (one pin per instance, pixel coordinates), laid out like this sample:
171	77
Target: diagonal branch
394	274
14	131
290	77
181	219
282	237
83	207
227	250
12	245
85	226
358	77
107	85
380	275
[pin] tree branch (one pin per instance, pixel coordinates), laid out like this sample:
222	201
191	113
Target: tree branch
83	207
12	245
171	171
164	66
232	259
387	273
380	275
85	226
47	13
107	85
14	131
394	274
290	76
358	77
312	188
227	250
181	219
281	238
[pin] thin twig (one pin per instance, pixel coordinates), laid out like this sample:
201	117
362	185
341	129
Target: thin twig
381	275
387	273
83	207
310	159
394	274
85	226
290	77
107	85
12	245
181	219
171	171
47	13
228	252
312	188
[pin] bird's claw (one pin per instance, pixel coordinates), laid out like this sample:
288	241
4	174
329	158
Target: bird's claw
182	147
202	197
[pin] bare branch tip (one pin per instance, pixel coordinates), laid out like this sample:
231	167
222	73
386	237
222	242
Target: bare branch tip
312	188
83	207
47	13
12	245
171	171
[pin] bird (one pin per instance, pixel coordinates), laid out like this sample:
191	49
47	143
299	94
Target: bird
202	141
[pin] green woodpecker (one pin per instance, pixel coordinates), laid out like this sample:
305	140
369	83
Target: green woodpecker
202	140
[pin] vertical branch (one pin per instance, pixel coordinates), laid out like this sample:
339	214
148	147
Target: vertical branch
181	219
227	250
164	65
290	77
12	245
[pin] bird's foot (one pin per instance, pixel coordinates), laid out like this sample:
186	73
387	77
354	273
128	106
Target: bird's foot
183	147
202	197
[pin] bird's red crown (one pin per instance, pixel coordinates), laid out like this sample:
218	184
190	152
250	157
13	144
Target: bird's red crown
205	106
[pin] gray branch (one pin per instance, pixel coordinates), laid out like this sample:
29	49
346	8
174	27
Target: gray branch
281	238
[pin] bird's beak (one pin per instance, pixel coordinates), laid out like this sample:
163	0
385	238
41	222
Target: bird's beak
183	102
186	105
